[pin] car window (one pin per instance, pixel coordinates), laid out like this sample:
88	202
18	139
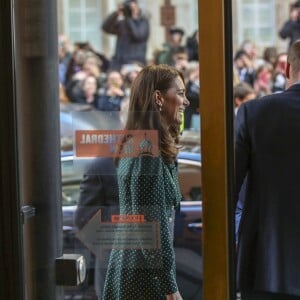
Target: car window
189	174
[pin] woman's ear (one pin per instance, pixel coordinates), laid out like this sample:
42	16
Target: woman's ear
158	98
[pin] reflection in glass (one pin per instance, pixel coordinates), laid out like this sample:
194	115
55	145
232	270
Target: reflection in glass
249	33
248	14
91	20
74	20
91	3
266	34
74	4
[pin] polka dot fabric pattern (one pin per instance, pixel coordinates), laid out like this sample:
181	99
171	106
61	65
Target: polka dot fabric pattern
148	186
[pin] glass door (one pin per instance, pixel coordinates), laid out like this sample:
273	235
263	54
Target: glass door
37	119
52	257
217	148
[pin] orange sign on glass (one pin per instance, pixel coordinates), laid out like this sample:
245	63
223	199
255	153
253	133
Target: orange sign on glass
127	218
116	143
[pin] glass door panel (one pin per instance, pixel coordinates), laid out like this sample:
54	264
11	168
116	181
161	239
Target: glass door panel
51	171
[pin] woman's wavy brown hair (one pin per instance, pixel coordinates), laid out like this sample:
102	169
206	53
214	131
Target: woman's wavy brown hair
143	112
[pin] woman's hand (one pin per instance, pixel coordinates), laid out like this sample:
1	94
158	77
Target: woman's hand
175	296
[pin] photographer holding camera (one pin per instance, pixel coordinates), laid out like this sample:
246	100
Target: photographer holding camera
132	30
291	28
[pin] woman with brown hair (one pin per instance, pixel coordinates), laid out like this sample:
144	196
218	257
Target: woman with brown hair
148	186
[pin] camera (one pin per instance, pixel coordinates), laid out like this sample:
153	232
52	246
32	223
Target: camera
127	9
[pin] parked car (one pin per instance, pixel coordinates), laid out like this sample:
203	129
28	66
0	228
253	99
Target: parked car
187	233
188	222
84	117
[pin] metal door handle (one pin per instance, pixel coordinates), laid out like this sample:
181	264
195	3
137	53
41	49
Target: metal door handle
70	269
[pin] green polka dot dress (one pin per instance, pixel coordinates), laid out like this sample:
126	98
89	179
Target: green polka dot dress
148	186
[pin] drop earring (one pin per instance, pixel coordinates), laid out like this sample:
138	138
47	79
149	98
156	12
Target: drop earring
159	106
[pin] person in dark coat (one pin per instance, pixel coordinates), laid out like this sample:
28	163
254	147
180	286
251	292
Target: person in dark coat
192	46
173	47
98	190
84	91
111	96
192	93
291	28
267	148
132	30
243	67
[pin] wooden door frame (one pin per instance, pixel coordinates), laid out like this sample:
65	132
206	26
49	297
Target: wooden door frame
215	40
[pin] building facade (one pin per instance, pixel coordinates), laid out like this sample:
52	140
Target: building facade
260	21
257	20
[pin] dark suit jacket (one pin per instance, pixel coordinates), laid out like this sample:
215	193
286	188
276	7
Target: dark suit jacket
267	148
98	190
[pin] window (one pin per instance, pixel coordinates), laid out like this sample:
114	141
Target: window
82	21
256	19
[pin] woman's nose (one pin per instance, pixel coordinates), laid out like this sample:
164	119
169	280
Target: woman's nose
186	101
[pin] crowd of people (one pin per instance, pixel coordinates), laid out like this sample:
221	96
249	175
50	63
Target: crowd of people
264	75
90	77
106	84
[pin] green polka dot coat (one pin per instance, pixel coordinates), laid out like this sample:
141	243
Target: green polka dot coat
148	186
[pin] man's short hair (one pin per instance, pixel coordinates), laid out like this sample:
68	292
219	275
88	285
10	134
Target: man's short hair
174	30
294	57
296	4
239	54
242	90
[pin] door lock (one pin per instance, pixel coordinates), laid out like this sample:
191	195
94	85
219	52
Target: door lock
27	212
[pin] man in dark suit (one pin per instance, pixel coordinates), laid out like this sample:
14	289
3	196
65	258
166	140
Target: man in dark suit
98	190
267	149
